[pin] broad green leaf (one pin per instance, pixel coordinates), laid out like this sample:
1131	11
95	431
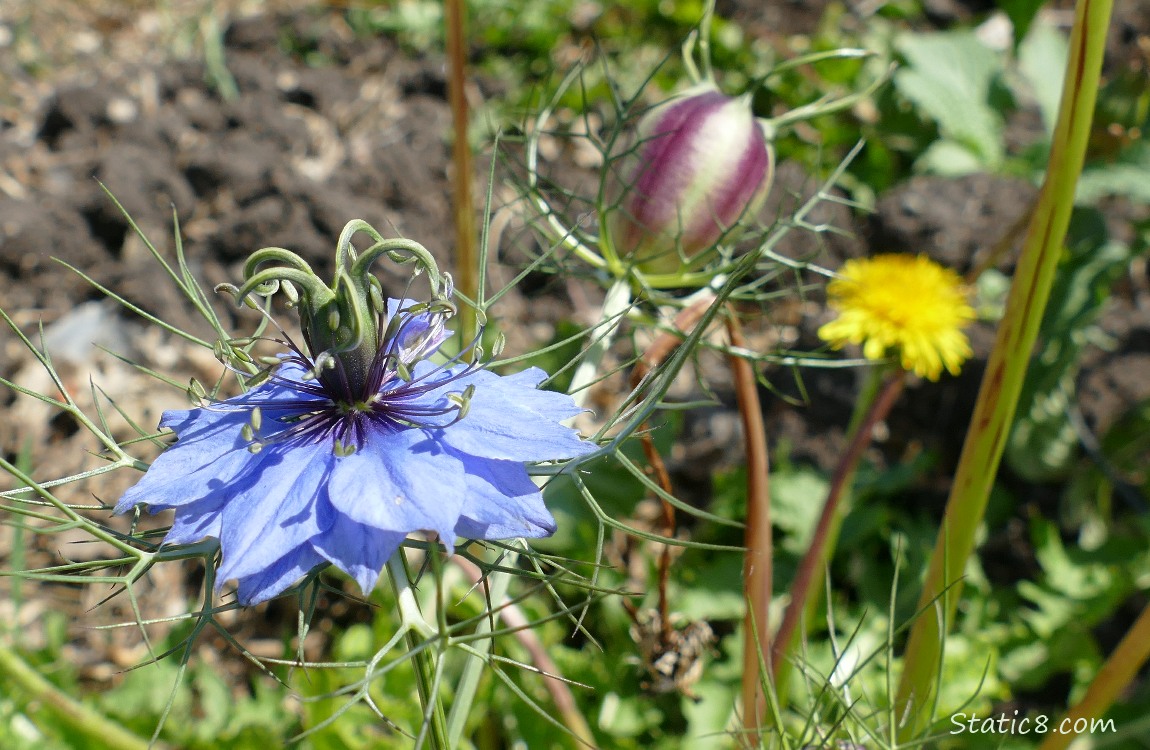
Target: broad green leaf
950	159
797	497
1127	176
1041	57
949	77
1043	442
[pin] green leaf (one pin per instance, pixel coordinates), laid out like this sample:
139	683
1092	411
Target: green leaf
949	77
1041	56
1127	176
950	159
1043	441
1127	444
708	719
797	496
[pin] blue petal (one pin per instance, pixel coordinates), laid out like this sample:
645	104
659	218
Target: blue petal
209	453
400	480
547	404
276	577
294	505
196	521
502	503
510	419
358	550
210	450
273	508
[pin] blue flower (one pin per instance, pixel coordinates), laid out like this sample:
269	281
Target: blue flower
337	457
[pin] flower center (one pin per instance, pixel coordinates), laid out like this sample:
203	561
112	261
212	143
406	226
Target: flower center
365	365
399	389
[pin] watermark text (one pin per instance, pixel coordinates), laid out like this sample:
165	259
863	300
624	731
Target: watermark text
965	723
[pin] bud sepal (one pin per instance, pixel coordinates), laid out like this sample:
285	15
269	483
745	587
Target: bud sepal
698	165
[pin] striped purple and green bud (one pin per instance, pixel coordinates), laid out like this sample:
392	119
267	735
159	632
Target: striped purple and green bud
699	163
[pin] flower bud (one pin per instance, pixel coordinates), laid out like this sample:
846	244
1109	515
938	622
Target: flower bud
699	162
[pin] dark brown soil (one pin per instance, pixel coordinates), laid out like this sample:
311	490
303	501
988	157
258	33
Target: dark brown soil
286	163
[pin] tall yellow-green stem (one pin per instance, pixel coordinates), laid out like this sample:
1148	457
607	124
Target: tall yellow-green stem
998	396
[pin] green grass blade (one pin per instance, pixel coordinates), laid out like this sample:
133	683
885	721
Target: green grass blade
1002	383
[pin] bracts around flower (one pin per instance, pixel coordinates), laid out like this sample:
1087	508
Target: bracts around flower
357	438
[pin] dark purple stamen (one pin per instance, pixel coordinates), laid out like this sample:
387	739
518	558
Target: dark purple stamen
389	398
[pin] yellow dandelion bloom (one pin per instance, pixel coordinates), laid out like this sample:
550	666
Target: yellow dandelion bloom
901	304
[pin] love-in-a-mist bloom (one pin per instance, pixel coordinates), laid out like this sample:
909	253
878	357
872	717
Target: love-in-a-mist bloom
902	305
699	163
357	439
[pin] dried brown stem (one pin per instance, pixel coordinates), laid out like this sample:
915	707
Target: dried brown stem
655	461
666	341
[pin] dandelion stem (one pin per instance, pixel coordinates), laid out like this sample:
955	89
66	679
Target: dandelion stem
830	521
80	718
757	564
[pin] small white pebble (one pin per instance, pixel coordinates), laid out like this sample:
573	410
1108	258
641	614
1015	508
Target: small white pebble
149	23
122	110
996	32
287	80
85	42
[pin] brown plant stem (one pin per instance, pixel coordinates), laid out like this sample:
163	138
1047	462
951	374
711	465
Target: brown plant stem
466	259
815	560
666	342
655	461
514	618
757	564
